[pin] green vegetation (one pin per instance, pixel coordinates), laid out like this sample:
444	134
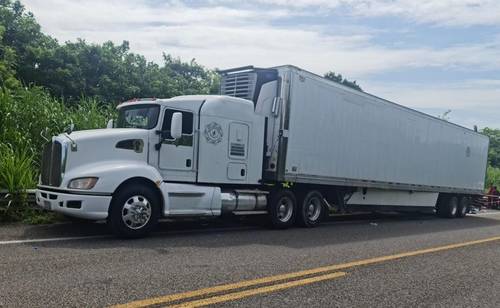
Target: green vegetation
493	177
494	153
107	72
16	174
338	78
493	173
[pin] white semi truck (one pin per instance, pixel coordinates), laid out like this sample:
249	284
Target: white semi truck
280	142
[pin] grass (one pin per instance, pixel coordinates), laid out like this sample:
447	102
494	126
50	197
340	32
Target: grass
493	177
16	176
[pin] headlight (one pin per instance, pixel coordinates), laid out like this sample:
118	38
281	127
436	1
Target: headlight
83	183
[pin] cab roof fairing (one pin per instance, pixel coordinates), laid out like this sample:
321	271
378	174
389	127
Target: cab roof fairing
212	104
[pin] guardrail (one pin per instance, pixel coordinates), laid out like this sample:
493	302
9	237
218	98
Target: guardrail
491	201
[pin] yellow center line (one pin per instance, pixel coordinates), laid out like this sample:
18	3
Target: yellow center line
256	291
270	279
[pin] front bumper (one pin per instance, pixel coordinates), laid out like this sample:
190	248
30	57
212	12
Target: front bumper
93	207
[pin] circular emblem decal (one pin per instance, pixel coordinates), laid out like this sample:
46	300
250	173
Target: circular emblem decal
213	133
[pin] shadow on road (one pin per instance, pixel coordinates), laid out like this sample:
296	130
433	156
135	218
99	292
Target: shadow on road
252	230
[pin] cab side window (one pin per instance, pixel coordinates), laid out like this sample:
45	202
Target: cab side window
187	128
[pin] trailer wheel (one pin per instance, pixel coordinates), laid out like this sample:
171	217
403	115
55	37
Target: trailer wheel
311	209
448	208
463	207
134	211
282	208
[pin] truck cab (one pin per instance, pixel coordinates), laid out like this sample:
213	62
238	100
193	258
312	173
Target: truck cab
163	158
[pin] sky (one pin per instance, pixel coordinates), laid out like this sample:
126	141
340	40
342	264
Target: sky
433	55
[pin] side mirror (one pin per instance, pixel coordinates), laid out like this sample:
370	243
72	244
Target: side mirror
176	125
110	123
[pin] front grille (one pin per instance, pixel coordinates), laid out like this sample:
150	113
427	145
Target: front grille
46	158
240	85
51	164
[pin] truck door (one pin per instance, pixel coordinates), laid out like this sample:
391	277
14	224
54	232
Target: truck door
176	157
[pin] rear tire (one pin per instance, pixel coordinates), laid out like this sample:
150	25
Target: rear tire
282	209
463	207
448	208
134	211
311	209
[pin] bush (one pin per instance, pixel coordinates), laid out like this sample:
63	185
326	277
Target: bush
90	114
27	112
492	177
16	176
30	114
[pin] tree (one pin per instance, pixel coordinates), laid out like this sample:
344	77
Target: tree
107	71
7	65
338	78
445	116
23	37
494	151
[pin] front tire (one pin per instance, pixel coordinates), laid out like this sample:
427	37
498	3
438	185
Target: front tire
282	209
311	209
134	211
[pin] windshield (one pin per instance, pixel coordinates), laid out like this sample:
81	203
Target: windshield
138	116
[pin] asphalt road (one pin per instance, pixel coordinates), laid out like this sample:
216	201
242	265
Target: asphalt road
367	261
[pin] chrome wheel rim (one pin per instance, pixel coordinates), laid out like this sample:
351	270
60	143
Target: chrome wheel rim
136	212
285	209
313	209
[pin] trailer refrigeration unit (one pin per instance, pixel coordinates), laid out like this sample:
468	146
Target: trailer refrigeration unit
278	141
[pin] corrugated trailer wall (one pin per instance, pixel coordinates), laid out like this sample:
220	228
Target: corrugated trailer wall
341	136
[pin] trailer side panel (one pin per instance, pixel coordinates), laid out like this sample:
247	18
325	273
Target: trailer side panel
345	137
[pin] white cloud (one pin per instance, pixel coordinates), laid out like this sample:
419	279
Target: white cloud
439	12
223	37
481	94
472	102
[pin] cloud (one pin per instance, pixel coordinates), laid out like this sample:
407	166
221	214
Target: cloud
476	93
472	102
438	12
117	15
222	37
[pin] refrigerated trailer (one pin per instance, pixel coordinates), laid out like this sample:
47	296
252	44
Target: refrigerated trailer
279	142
